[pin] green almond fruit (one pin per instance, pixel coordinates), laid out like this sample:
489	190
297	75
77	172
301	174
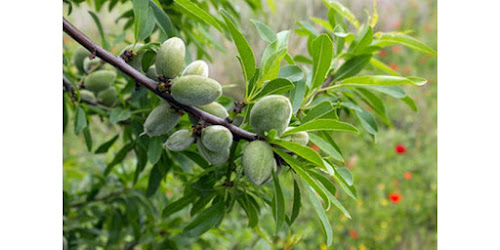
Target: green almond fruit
99	80
179	141
80	54
271	112
170	57
89	64
301	138
216	138
108	96
198	67
151	73
258	162
136	61
214	158
87	96
194	90
161	120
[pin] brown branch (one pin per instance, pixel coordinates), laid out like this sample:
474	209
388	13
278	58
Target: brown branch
68	87
120	64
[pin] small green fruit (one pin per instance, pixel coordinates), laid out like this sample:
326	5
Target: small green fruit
80	54
90	64
136	61
258	162
198	67
301	138
216	109
108	96
151	73
179	141
161	120
271	112
216	138
87	96
194	90
170	57
99	80
214	158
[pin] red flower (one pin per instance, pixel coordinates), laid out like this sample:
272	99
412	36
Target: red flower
400	149
383	53
395	197
393	66
407	175
315	148
396	49
353	234
428	28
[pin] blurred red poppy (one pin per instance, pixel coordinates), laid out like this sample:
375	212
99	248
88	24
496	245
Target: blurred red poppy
393	66
400	149
395	197
396	49
407	175
382	53
353	234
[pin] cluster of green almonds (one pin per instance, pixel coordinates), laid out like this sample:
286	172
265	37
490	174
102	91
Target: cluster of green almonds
99	82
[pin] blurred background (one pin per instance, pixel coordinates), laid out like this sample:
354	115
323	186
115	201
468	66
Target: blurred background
395	175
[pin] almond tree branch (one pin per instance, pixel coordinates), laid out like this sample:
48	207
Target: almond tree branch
117	62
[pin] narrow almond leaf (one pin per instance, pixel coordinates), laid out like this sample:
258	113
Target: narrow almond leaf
410	103
343	11
118	114
265	32
178	205
303	151
162	19
155	149
367	120
296	202
391	38
275	86
103	148
273	55
352	67
384	67
279	203
394	91
244	49
80	120
88	138
143	20
119	157
322	59
291	72
158	172
324	110
323	124
327	228
200	13
346	175
362	40
383	80
325	147
207	219
104	43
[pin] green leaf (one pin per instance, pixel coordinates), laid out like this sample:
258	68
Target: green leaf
297	94
382	66
250	209
296	202
394	91
265	32
119	114
410	103
158	172
323	23
352	67
119	157
330	187
391	38
205	220
327	228
88	138
178	205
143	20
343	11
349	189
162	19
103	148
362	40
273	55
325	147
275	86
142	159
323	124
155	148
303	151
323	110
104	43
244	49
200	13
80	120
376	104
115	228
346	175
367	121
279	208
322	58
65	113
383	80
291	72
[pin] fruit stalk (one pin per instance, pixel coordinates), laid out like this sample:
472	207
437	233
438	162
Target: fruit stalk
143	80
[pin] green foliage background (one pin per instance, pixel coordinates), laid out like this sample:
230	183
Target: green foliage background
376	222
